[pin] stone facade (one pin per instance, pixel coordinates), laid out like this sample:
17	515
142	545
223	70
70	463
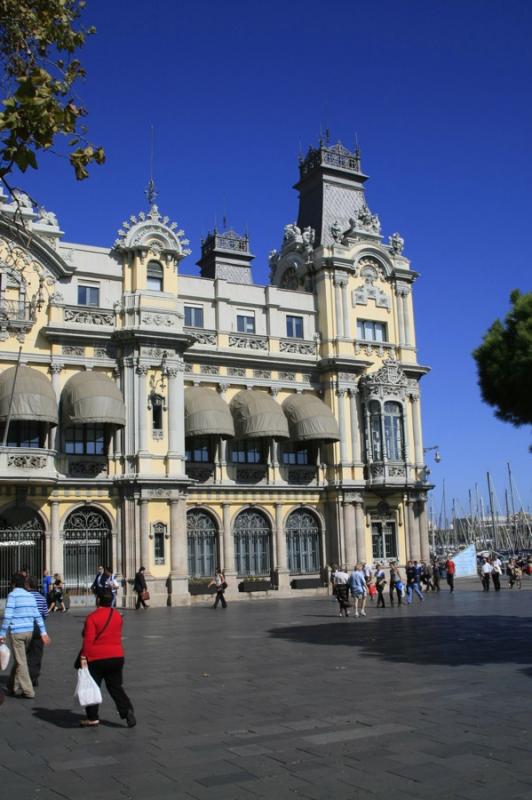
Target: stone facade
336	322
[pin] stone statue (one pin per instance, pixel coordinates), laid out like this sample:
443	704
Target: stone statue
397	243
48	218
23	199
291	232
336	231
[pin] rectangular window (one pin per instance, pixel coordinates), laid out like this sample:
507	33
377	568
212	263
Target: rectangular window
24	433
294	327
298	456
154	283
247	452
158	543
245	322
198	450
86	440
88	295
194	316
371	331
384	540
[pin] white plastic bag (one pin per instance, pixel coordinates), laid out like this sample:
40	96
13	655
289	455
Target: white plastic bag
87	690
5	655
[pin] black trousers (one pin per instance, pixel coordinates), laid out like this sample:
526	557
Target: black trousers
380	598
450	581
34	654
220	599
496	578
399	594
110	671
140	601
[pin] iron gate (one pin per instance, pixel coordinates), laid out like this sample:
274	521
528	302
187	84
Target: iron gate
21	547
87	545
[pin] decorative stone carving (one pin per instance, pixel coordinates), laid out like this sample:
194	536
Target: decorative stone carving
377	470
201	474
396	470
238	372
347	376
47	218
210	369
188	368
157	435
403	289
26	461
371	271
88	317
156	320
22	199
55	368
397	243
73	350
90	469
388	381
153	232
142	369
159	492
365	222
287	376
336	231
302	475
303	348
249	342
265	374
250	474
202	337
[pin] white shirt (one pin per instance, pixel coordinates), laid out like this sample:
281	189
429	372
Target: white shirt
340	576
486	569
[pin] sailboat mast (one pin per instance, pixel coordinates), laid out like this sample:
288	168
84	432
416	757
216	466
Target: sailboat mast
492	510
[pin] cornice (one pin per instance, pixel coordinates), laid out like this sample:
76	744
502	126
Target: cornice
33	243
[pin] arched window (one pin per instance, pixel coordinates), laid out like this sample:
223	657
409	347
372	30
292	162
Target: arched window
303	542
201	538
21	544
252	543
155	276
375	430
393	431
87	545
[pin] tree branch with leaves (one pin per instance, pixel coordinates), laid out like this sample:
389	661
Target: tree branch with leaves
38	43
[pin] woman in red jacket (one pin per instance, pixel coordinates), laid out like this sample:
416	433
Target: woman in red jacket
103	653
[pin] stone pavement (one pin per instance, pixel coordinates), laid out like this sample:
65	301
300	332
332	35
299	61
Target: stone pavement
284	700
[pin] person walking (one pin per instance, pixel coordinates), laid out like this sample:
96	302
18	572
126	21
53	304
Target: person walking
221	585
396	585
111	584
436	576
359	589
47	586
20	613
58	602
380	583
102	654
496	572
98	584
341	581
412	583
450	566
141	588
485	573
36	648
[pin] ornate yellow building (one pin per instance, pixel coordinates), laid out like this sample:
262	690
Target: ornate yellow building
179	422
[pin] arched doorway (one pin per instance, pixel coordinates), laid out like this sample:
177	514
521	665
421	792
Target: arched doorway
21	545
87	544
303	542
252	533
202	534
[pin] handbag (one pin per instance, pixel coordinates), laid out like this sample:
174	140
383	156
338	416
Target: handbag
145	595
77	662
5	655
87	690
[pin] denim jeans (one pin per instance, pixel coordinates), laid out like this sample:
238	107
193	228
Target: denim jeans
413	587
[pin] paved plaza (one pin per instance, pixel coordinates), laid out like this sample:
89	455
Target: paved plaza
282	699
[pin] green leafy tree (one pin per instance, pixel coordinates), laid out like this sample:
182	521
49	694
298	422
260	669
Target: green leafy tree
38	42
504	363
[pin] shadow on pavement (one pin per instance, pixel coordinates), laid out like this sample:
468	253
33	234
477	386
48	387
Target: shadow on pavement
451	640
65	718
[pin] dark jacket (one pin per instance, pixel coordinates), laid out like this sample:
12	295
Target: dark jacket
139	584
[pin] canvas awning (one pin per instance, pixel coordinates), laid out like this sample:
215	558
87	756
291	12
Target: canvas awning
92	397
206	413
33	398
257	415
310	419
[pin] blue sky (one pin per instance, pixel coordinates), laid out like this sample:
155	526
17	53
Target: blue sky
438	93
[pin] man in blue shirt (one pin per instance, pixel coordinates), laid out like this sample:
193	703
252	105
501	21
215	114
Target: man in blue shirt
20	613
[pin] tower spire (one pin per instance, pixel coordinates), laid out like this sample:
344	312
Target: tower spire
151	191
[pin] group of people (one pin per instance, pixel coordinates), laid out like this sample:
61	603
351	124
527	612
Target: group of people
353	589
24	630
491	570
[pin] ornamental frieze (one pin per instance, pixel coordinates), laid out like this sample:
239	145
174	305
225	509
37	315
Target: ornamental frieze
249	342
85	317
27	461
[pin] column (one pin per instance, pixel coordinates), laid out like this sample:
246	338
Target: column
179	552
413	532
350	534
117	544
54	439
129	400
339	326
360	525
283	573
142	395
229	566
400	316
176	419
416	428
144	550
406	316
355	427
345	309
341	424
423	530
56	544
